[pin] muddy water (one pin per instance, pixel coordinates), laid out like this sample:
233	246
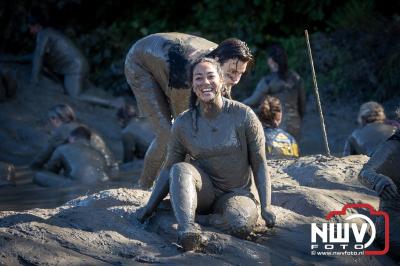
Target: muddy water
30	196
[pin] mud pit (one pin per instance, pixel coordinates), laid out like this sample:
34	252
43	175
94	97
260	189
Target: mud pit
100	227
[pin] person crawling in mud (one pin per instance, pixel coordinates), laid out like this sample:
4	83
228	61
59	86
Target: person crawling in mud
372	132
381	174
8	84
136	136
80	162
63	120
278	143
156	69
56	53
225	142
284	84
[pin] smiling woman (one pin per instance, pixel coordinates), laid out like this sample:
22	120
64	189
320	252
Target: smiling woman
225	142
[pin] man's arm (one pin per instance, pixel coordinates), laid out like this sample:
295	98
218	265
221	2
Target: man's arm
258	94
372	179
55	164
256	149
44	155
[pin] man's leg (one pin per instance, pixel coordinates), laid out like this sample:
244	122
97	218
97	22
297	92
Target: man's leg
74	84
49	179
153	103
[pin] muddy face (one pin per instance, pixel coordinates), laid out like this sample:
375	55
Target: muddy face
55	122
273	66
207	83
34	29
233	70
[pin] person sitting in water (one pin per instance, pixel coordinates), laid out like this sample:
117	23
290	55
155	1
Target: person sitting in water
278	143
225	142
136	133
80	162
372	132
63	121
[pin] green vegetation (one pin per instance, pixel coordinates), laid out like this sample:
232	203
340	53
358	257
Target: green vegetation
356	43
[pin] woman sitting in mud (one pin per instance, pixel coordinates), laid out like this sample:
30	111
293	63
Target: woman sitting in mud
63	120
226	144
278	143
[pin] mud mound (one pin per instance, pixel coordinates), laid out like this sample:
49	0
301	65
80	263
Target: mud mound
102	228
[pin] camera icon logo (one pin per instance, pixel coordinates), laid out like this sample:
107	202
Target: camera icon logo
333	238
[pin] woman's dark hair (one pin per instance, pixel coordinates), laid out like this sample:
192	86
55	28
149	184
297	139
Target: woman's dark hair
268	110
230	49
278	54
64	112
193	96
81	132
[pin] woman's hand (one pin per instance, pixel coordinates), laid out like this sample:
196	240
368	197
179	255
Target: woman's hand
269	217
142	214
386	188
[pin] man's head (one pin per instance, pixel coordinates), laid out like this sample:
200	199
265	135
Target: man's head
80	133
36	21
234	56
371	112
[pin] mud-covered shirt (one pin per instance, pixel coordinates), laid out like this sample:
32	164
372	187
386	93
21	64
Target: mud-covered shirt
291	94
225	148
366	140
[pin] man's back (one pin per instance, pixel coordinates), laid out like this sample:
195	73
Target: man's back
59	53
80	162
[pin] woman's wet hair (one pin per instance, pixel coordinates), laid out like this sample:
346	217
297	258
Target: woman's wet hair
231	49
268	110
278	54
371	112
64	112
193	96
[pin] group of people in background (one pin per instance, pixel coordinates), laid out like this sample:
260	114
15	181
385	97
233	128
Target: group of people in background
199	145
